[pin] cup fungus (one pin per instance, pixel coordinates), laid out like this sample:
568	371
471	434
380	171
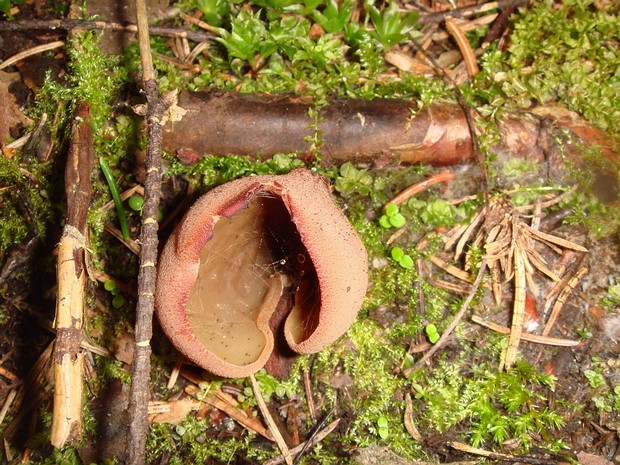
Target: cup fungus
225	269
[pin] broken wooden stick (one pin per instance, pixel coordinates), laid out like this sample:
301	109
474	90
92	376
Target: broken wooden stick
67	357
379	130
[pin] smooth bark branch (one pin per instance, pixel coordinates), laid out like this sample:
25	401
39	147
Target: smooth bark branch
379	130
67	357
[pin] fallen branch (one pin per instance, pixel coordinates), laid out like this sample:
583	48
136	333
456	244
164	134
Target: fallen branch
67	357
140	369
379	130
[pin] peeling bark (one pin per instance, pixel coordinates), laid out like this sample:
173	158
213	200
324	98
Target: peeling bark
68	359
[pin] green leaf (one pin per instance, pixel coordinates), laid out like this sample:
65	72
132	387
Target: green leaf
384	221
391	209
430	329
398	220
406	262
397	254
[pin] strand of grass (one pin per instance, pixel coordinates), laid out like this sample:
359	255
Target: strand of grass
273	428
455	321
120	210
140	368
70	24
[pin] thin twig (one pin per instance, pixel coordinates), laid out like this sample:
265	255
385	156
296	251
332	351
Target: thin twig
412	190
308	444
68	358
469	11
286	453
69	24
498	456
464	46
140	370
550	341
31	51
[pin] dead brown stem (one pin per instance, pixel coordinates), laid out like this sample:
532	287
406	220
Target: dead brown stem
140	370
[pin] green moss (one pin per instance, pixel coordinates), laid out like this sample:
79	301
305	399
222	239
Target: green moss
560	53
492	406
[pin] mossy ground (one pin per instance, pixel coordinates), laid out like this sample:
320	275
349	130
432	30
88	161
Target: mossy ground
557	53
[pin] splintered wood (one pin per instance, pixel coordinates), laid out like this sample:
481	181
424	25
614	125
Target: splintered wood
513	250
68	358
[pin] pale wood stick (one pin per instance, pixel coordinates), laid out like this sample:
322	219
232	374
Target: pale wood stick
286	453
550	341
68	358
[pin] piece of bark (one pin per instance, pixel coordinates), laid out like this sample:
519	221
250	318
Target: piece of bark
68	358
379	130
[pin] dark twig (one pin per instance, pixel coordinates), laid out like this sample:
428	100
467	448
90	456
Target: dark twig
499	25
469	11
68	24
140	372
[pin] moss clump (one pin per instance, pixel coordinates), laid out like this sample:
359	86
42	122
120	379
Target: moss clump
491	406
560	53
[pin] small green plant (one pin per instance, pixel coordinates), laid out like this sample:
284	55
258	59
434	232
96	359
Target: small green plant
135	202
392	217
352	180
612	299
117	299
214	11
431	333
334	16
391	26
495	406
595	378
248	40
382	427
6	5
400	257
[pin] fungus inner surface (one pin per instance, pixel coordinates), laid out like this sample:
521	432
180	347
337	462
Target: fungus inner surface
240	280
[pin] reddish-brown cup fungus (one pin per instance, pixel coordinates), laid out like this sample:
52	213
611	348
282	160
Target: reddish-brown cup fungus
224	269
